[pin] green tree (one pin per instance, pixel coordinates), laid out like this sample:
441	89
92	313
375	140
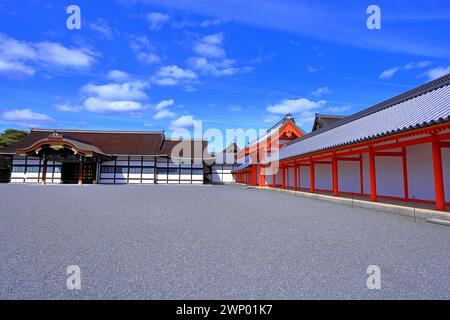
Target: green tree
10	136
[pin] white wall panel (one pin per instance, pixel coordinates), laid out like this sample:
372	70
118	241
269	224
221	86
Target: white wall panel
304	177
420	172
348	176
389	173
323	177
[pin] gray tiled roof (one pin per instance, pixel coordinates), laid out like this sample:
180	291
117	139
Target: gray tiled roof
420	107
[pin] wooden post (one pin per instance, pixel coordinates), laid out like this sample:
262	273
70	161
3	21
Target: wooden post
312	178
405	174
361	174
438	174
44	172
80	175
335	176
283	178
295	177
254	176
373	178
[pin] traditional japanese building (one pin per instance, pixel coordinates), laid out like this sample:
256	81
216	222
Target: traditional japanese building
398	149
110	157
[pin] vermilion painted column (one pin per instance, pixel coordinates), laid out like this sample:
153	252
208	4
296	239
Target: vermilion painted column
283	178
262	180
405	175
295	177
335	176
44	171
373	178
254	176
438	175
361	174
312	178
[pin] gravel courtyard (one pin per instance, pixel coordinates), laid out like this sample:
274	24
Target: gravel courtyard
210	242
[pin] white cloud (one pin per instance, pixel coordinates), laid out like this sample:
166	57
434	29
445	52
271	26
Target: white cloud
340	109
147	58
164	114
211	59
313	69
102	27
15	68
210	46
117	91
387	74
215	68
25	57
321	91
183	122
117	75
164	104
68	108
115	97
97	105
212	23
24	115
56	54
173	75
438	72
157	20
294	106
235	108
143	50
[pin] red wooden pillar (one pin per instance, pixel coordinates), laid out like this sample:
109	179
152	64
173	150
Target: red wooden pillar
295	177
373	178
405	175
274	180
299	177
335	176
438	175
44	171
283	178
312	178
80	175
361	174
262	180
254	176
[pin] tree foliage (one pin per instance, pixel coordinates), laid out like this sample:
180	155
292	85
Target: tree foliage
10	136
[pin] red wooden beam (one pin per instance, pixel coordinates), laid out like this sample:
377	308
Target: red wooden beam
445	144
389	154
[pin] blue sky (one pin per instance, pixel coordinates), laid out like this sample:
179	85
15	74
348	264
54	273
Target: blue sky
160	65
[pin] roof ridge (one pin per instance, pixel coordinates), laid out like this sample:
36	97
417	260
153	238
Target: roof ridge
95	131
408	95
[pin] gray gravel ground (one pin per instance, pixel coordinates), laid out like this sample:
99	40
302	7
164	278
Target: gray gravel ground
210	242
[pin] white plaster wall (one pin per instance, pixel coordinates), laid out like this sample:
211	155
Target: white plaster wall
420	172
304	177
389	175
348	176
323	177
